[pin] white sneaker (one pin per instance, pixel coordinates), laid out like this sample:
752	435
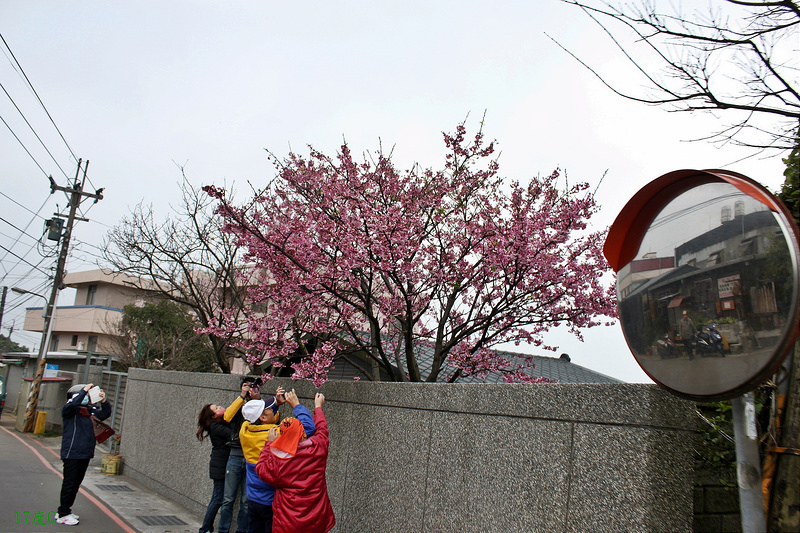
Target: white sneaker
68	520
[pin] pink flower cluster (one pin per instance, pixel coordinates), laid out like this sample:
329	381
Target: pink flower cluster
369	262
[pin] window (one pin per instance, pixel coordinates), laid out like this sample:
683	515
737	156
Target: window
74	340
92	347
53	343
704	294
748	246
90	292
715	258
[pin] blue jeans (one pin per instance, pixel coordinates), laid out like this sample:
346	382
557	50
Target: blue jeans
213	506
235	481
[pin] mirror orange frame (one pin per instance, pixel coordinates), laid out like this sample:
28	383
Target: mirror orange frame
626	234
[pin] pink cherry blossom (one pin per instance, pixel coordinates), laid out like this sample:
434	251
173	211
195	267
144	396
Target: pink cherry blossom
365	262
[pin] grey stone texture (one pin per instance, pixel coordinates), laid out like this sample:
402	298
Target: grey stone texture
408	457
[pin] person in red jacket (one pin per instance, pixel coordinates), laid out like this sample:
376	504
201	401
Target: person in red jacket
296	468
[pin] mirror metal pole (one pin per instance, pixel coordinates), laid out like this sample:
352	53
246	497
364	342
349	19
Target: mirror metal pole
748	464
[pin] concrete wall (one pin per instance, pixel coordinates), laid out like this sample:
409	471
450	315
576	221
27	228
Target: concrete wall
13	375
436	457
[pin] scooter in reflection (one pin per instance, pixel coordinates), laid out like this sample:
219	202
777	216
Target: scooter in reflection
666	347
710	341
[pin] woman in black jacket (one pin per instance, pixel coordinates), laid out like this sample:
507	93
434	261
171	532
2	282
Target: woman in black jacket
211	423
77	444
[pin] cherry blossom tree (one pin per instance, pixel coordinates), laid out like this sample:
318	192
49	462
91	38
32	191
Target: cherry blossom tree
362	258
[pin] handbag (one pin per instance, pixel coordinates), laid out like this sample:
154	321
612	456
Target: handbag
102	431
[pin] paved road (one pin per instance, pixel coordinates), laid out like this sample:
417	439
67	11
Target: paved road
30	488
30	480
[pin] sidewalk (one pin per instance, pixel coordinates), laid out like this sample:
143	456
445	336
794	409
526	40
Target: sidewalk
141	509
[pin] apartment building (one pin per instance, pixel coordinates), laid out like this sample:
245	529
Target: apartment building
86	325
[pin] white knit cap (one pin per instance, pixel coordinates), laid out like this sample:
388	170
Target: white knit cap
253	410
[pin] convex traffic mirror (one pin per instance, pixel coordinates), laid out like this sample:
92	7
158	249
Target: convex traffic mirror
707	282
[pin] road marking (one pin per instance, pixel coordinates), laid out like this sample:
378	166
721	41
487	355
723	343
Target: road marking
100	505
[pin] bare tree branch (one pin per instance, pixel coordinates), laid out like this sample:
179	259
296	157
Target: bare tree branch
187	259
742	60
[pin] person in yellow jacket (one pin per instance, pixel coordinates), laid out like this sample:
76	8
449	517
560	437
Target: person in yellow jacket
235	470
259	417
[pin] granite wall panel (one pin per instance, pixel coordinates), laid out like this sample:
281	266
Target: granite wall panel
410	457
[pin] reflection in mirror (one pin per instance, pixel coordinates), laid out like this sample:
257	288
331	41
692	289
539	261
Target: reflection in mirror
707	300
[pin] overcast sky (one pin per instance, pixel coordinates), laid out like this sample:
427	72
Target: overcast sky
138	88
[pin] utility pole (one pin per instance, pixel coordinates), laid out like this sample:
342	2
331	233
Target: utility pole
2	308
76	197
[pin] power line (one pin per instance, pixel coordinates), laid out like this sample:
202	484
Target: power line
661	220
31	247
86	212
23	260
26	228
27	275
19	230
37	96
98	248
20	277
36	214
9	237
24	147
22	299
40	285
33	130
84	253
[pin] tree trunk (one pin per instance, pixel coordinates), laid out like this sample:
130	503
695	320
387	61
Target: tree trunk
221	355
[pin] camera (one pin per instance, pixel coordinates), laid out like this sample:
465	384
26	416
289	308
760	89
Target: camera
257	383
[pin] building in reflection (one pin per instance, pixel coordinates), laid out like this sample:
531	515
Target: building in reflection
737	274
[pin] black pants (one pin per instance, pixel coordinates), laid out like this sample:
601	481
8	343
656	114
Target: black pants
260	518
687	345
74	471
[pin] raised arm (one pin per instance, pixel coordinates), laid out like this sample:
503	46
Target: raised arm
105	408
70	409
301	413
